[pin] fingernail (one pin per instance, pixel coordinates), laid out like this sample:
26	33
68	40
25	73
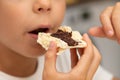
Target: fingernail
86	35
110	33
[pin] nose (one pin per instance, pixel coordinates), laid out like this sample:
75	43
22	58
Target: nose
42	6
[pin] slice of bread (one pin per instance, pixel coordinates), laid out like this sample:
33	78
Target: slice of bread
44	39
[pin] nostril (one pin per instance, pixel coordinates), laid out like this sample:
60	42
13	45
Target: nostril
48	9
40	9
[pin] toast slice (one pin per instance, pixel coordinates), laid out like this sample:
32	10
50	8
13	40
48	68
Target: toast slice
65	38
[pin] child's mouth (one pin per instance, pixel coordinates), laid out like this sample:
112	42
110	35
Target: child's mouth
35	32
39	30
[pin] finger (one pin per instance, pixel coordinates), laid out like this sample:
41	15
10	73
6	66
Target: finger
97	32
50	58
86	59
116	20
74	57
95	64
106	21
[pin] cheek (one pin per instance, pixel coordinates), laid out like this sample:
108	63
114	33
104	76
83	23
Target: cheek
12	20
12	14
58	13
10	25
11	28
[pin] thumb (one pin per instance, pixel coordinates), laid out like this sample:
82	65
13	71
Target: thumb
50	57
97	31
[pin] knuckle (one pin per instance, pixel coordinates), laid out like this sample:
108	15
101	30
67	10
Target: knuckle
48	55
105	12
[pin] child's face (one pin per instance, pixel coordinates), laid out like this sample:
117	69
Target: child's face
19	17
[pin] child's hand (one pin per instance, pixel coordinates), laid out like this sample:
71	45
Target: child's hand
82	69
110	19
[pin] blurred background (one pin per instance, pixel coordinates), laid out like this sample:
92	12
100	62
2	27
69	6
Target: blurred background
83	14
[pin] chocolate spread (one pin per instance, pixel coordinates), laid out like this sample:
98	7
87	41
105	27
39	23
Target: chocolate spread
65	36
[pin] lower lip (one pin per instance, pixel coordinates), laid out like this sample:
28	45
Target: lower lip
34	36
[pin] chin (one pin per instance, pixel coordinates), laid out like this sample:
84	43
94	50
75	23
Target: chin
34	53
37	54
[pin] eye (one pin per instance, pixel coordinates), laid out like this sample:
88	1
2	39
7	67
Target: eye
39	30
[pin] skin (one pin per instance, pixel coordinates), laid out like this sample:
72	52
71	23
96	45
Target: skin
17	19
110	20
19	47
